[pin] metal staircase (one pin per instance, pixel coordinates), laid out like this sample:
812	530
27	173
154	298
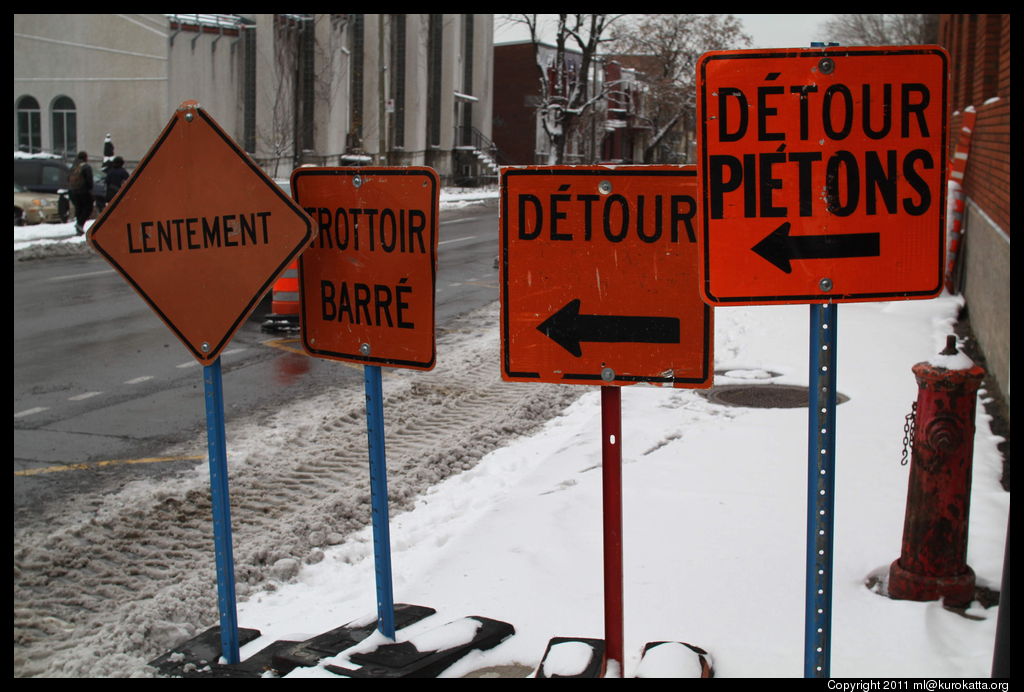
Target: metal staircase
485	153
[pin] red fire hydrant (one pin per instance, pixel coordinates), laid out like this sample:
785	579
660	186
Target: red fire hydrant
933	562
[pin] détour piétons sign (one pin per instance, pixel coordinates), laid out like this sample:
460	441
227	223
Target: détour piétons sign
822	174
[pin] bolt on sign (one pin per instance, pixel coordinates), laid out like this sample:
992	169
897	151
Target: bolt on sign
822	174
200	232
599	277
367	280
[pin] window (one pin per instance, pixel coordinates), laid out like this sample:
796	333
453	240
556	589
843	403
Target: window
65	127
435	37
27	121
398	80
467	79
356	101
249	89
52	176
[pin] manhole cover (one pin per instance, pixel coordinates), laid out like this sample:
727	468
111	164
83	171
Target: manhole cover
762	395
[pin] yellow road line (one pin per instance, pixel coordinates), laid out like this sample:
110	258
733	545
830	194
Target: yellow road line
285	344
99	464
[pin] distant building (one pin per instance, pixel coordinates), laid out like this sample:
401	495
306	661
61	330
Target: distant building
329	89
515	128
633	116
621	132
617	129
979	48
78	77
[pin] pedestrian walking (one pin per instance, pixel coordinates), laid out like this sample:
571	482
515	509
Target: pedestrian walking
108	152
116	175
80	186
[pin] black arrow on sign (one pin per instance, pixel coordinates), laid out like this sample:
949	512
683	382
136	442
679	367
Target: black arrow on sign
568	328
779	247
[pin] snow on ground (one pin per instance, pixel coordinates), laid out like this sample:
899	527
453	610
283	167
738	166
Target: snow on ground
714	522
714	519
43	240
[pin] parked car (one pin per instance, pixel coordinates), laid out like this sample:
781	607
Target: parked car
35	207
99	189
38	174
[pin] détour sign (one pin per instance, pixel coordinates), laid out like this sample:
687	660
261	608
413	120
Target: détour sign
599	277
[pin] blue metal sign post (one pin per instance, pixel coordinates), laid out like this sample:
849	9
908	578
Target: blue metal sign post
379	500
821	448
836	247
402	270
195	171
221	511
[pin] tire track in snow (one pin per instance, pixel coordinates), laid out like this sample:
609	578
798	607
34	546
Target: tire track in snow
108	584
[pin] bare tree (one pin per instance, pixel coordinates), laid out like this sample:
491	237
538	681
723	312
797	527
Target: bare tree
568	94
303	69
881	29
665	48
279	68
332	51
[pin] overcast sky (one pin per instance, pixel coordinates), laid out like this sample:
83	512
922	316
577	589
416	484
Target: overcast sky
783	30
767	30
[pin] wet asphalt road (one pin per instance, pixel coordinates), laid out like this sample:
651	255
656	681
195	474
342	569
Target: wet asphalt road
102	388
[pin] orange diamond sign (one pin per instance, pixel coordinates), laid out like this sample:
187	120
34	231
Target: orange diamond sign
200	232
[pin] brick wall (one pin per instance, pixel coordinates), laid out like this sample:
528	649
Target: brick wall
987	178
979	47
516	83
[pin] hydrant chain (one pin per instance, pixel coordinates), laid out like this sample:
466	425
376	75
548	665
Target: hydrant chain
908	433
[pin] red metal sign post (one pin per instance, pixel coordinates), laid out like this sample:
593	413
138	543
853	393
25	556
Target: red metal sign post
611	476
599	286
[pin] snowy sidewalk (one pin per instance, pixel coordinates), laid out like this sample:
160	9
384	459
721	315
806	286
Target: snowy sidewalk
714	521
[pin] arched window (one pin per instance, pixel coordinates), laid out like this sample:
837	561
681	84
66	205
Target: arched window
27	122
65	127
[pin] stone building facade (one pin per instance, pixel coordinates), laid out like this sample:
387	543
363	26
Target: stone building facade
328	89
